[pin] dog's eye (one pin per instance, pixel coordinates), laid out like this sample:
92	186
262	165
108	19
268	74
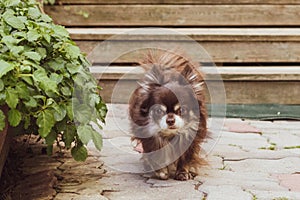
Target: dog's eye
159	111
183	110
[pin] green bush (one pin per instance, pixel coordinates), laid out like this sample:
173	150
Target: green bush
43	76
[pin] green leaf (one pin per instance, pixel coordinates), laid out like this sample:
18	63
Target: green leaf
26	119
14	117
50	102
47	84
72	51
16	50
69	135
2	120
34	12
49	150
9	3
28	80
57	78
12	20
85	133
10	41
5	67
60	31
12	98
69	108
42	52
2	96
51	137
66	91
73	69
94	99
46	18
40	75
22	90
1	85
79	153
31	103
82	113
60	112
57	64
45	121
33	35
47	38
33	55
97	139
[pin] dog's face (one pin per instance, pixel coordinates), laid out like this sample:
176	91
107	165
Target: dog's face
169	108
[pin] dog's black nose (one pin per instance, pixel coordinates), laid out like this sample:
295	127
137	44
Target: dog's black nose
170	121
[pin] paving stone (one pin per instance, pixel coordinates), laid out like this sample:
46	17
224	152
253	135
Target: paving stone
169	183
246	180
128	186
214	162
275	195
68	196
290	181
244	141
284	140
277	127
285	165
230	152
278	124
221	192
240	127
118	154
117	118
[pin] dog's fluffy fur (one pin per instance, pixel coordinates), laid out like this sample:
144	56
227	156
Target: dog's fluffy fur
168	115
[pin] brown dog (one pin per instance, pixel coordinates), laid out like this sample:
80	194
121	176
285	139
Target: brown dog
168	115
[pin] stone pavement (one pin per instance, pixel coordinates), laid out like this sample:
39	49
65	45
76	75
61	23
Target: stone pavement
247	160
255	160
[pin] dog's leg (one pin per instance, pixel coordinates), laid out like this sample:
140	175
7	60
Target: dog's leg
182	172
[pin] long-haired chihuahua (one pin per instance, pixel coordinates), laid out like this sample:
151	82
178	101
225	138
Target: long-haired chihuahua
168	115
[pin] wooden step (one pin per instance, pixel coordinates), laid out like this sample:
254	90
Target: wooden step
188	15
236	73
197	34
243	85
180	2
223	45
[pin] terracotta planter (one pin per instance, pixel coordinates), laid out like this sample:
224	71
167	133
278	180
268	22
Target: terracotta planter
4	142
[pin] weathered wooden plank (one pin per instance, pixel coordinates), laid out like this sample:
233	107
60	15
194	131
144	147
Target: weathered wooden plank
219	52
237	92
243	85
175	15
184	34
244	92
236	73
178	2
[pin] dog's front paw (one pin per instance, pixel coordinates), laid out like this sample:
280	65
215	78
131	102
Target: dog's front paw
162	174
182	176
